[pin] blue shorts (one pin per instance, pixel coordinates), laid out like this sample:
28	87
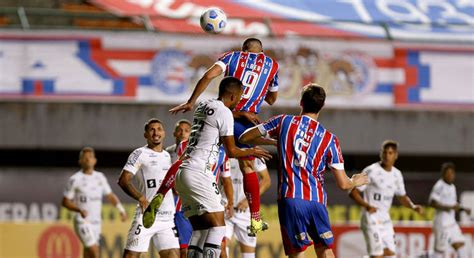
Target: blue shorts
240	125
184	228
300	219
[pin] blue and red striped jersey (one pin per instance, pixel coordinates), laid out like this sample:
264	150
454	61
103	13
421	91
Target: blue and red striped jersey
305	150
258	73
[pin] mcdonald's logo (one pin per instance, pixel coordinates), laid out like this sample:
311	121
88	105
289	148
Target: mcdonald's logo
58	242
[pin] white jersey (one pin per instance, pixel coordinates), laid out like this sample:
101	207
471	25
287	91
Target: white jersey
212	120
149	168
382	186
87	192
238	179
444	194
172	150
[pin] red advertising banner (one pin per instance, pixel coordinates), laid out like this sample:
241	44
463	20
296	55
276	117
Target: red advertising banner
411	241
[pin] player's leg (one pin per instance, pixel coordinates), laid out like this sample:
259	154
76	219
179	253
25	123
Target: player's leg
250	178
388	239
202	205
88	236
166	239
319	228
293	226
457	240
323	252
138	237
91	251
370	230
229	232
166	185
247	243
185	230
440	240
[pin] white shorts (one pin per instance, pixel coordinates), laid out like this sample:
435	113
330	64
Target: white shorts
378	236
199	193
237	226
446	235
88	233
163	233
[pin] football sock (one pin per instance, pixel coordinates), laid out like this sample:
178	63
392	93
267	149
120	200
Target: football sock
252	192
196	244
170	178
212	247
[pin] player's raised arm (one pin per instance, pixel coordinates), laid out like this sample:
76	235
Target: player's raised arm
202	84
125	182
235	152
346	183
256	136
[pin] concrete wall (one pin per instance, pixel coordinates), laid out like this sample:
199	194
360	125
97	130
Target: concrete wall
119	126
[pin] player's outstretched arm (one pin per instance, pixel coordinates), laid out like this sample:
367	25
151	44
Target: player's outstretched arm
406	201
202	84
235	152
346	183
114	200
69	204
125	182
253	136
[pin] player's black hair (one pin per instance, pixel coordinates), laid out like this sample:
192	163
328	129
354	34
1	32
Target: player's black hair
447	165
229	85
152	121
390	144
312	98
86	149
249	42
182	121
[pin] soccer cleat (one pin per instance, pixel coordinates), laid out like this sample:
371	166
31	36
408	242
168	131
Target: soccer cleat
256	226
150	212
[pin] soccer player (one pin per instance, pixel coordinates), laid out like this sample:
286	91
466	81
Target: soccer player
259	75
183	225
83	195
305	150
237	222
149	164
195	181
444	199
181	133
385	181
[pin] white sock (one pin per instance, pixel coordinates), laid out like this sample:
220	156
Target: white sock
212	246
196	244
248	255
437	255
390	256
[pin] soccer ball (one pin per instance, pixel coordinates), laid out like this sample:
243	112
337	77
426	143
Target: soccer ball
213	20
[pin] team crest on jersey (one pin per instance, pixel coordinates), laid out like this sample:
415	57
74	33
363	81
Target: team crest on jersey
169	71
326	235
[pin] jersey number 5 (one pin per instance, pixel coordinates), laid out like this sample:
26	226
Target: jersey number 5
300	159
